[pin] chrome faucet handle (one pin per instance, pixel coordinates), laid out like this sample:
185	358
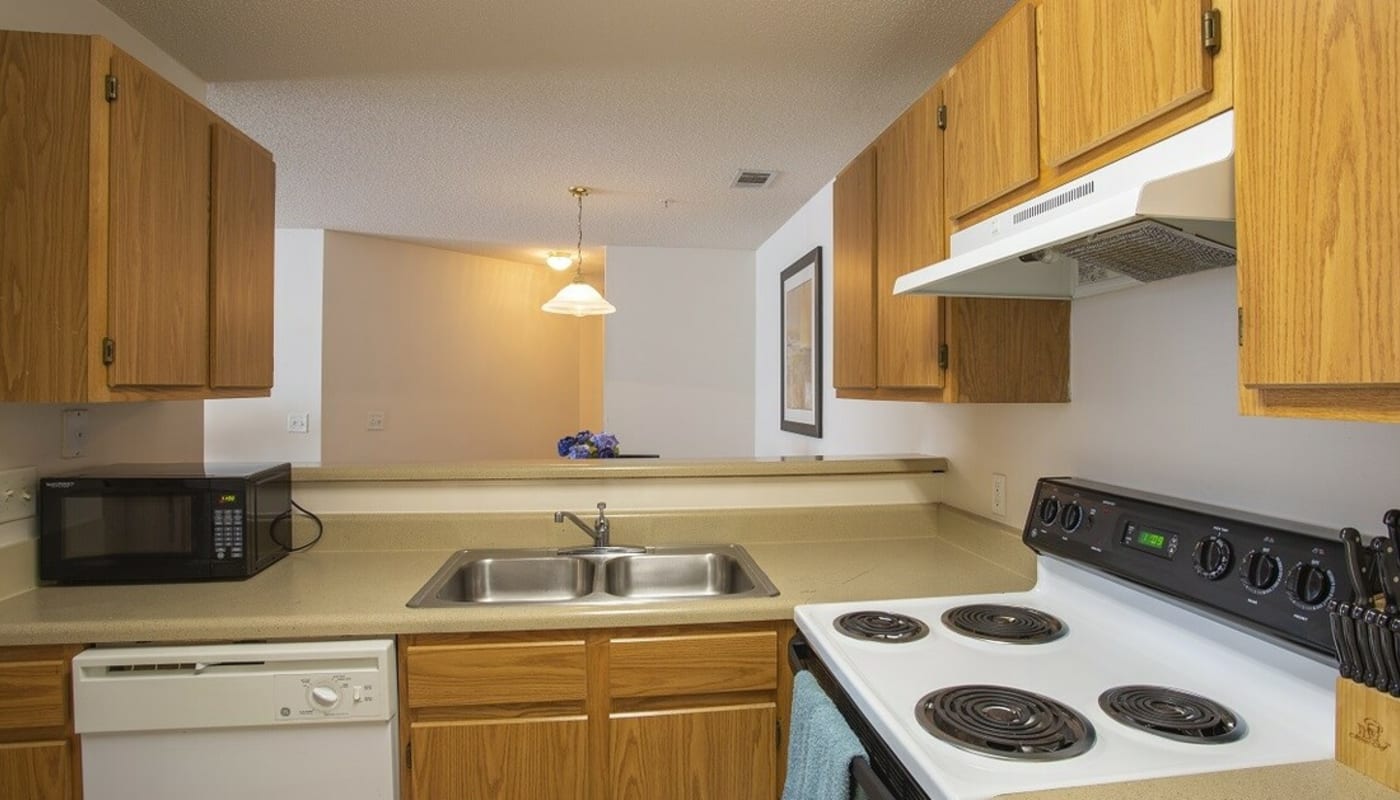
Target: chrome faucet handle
602	525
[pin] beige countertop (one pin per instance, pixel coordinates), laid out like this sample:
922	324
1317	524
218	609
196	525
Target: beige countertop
328	593
565	469
1314	780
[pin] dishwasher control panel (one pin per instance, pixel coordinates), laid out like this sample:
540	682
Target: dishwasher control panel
317	696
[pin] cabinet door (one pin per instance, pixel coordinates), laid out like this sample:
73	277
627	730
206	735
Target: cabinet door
514	759
241	244
1109	66
158	273
992	142
1317	107
853	274
695	754
35	771
910	233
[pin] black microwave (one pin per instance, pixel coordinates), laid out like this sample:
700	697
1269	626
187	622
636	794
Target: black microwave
164	522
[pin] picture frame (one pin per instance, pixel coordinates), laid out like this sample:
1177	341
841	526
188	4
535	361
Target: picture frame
800	340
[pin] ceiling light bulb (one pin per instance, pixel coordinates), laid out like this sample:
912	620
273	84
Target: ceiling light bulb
559	261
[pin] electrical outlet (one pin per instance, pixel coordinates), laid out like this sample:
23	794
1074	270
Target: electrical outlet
998	494
299	422
18	490
75	423
376	421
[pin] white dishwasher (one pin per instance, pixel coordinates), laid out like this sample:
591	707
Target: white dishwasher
230	722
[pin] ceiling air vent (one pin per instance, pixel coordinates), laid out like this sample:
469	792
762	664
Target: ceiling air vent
754	179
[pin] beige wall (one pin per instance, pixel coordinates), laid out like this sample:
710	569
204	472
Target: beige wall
454	350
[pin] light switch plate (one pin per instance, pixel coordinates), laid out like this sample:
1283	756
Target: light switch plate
998	494
19	489
375	422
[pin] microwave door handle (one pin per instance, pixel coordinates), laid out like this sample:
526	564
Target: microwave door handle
864	776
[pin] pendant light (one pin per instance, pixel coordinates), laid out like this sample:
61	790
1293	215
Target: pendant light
578	298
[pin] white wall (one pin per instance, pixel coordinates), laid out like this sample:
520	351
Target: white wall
91	17
678	365
1154	405
150	432
255	429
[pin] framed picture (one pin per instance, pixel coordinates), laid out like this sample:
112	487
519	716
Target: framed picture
801	390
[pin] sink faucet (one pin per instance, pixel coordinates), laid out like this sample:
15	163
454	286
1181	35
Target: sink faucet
598	531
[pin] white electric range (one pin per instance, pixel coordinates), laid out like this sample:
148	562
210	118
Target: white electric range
1162	638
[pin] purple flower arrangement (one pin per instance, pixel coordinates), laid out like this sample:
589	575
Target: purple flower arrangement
587	444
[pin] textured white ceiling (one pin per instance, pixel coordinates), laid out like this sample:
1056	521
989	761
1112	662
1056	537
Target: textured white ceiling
462	123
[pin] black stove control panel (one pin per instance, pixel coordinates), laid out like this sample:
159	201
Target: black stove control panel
1270	574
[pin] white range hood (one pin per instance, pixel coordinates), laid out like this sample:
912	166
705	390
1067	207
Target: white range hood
1166	210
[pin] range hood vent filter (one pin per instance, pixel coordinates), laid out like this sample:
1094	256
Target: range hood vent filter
1148	251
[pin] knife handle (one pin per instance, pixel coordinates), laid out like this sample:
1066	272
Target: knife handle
1334	622
1384	558
1356	566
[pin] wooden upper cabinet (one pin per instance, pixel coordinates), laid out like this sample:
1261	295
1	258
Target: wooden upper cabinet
853	273
1109	66
158	273
1317	107
116	283
910	233
241	246
992	144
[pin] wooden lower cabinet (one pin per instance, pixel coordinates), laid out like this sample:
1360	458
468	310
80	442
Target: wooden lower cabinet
36	771
662	713
39	755
519	759
695	753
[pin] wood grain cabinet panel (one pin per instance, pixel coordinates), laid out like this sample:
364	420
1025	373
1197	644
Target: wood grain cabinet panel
1317	110
495	673
36	771
686	665
33	694
992	144
911	232
241	233
1107	67
854	301
158	285
695	754
44	224
501	760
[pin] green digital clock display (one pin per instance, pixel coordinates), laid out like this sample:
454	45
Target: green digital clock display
1151	539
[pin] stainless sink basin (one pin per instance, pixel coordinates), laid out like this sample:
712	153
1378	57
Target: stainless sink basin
473	577
676	575
517	580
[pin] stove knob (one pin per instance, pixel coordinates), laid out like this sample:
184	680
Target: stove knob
1260	571
1049	511
1212	558
1309	586
1071	517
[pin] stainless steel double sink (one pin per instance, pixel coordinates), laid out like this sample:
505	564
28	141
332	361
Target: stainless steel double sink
593	575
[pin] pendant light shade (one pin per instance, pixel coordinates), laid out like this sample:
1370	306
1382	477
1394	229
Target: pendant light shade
579	299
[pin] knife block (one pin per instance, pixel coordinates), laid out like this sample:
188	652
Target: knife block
1368	732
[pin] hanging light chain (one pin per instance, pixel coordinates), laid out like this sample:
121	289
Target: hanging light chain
579	192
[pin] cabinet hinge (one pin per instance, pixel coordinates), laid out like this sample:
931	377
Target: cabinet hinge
109	352
1210	31
111	85
943	356
1240	321
942	117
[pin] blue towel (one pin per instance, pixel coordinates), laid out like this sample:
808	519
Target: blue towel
820	746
